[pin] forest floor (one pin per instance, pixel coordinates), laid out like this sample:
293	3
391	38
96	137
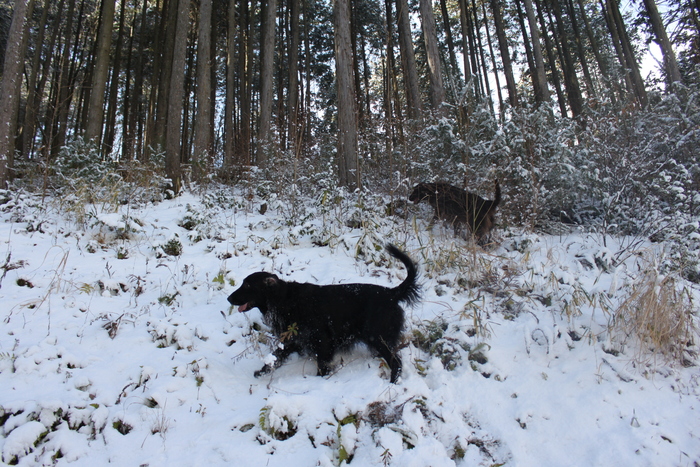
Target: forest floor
117	344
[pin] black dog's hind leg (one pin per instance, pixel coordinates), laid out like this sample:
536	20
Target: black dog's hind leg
392	359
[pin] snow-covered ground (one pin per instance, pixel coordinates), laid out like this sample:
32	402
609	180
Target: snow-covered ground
117	345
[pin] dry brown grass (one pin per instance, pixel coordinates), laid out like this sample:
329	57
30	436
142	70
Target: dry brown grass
659	314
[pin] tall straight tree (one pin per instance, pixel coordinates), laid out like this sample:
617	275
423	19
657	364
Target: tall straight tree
551	58
133	136
494	63
528	46
95	111
294	122
578	42
437	88
349	173
229	128
160	90
628	61
673	73
203	144
571	82
266	77
245	72
10	86
505	52
408	61
61	92
175	99
244	68
448	35
392	106
35	85
116	66
467	49
539	74
596	49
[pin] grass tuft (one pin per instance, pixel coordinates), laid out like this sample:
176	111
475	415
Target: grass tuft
659	314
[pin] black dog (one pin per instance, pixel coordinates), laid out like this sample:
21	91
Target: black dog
323	319
459	208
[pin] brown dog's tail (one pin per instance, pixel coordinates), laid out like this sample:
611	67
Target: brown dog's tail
409	290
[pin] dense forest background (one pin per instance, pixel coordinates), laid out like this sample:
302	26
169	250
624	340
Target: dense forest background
306	96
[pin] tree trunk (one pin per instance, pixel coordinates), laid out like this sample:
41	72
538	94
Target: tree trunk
573	89
479	63
110	127
505	53
392	101
468	52
62	96
245	73
229	129
133	136
528	49
539	73
575	30
95	111
551	59
35	86
306	113
602	63
493	62
356	66
294	122
408	61
175	99
479	67
673	74
203	144
10	87
628	60
161	89
266	77
347	113
437	88
448	37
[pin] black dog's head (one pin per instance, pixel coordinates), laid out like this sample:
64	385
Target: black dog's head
256	291
420	192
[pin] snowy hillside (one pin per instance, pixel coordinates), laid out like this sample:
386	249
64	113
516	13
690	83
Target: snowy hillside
117	344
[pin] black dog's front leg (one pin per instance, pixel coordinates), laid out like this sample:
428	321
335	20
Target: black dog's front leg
324	352
281	355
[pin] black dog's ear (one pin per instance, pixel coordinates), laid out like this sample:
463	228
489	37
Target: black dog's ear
272	281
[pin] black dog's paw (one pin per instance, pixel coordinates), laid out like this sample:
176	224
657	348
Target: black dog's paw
263	371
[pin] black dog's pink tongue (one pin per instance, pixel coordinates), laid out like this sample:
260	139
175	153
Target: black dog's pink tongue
243	307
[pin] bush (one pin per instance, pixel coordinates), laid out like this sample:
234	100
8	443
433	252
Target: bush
87	183
640	176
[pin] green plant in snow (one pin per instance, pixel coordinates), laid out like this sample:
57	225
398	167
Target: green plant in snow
122	427
279	428
345	453
431	337
172	247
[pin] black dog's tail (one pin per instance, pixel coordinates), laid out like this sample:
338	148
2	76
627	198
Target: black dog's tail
409	290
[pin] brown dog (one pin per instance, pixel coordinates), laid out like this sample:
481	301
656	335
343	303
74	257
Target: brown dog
459	208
